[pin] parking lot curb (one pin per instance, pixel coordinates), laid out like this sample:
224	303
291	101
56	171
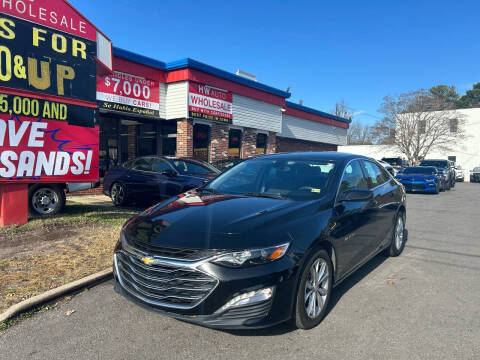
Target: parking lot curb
55	293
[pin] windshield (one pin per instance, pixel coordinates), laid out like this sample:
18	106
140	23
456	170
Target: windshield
288	179
477	169
436	163
420	170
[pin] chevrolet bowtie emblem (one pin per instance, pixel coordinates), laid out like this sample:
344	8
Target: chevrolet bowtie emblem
147	260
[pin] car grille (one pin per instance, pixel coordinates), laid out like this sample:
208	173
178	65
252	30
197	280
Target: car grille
410	187
172	252
163	285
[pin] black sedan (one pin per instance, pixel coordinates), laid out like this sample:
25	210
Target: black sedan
155	178
262	243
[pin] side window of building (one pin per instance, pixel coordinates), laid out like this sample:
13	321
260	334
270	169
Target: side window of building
353	177
142	164
375	175
234	143
261	143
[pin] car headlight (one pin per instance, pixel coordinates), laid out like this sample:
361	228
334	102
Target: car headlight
252	256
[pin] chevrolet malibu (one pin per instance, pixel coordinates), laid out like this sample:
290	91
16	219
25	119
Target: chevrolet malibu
263	243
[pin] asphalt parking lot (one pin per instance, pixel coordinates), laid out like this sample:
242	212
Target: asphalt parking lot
424	304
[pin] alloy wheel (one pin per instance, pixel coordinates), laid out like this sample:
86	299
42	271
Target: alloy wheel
117	193
316	288
399	233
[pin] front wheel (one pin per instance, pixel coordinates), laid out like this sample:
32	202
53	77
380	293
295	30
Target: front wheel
44	200
118	194
314	291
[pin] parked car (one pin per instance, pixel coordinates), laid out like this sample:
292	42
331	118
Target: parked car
445	168
388	167
475	175
422	179
224	165
46	199
264	242
154	178
459	173
397	163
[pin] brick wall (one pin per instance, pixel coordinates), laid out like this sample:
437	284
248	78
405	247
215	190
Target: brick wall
184	138
249	143
295	145
272	143
218	141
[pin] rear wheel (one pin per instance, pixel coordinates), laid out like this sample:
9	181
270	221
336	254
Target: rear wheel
118	194
398	239
314	291
44	200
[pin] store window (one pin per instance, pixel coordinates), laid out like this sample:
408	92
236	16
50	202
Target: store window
234	143
146	139
169	138
201	141
261	143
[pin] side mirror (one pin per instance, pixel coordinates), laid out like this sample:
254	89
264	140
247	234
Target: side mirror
169	172
357	195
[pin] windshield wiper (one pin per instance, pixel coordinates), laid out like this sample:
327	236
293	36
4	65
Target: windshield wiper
270	196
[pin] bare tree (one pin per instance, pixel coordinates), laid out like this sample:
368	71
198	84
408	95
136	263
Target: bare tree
359	134
342	110
418	122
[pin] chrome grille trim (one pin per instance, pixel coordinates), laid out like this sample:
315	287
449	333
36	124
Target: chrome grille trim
131	277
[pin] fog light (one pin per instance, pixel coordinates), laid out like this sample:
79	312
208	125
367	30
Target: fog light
248	298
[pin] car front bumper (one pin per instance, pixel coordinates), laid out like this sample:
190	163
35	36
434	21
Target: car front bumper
419	186
280	275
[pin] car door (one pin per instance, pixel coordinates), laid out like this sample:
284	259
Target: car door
166	182
139	178
351	233
383	212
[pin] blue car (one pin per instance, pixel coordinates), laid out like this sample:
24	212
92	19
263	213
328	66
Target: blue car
155	178
422	179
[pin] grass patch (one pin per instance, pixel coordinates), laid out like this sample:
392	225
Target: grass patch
50	252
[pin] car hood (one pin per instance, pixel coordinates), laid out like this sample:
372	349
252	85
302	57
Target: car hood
216	221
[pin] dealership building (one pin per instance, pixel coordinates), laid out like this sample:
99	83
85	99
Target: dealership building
190	109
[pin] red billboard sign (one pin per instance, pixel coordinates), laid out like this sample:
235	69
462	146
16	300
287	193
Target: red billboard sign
55	14
128	93
209	103
38	150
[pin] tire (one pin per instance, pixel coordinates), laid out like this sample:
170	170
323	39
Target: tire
398	244
45	200
307	319
447	185
452	185
118	194
437	188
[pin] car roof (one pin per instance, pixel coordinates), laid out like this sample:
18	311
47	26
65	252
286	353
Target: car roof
324	155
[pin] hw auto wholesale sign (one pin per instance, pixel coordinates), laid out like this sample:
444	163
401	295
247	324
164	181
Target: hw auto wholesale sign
128	93
209	103
47	93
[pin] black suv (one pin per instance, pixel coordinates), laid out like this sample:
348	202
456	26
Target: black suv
445	168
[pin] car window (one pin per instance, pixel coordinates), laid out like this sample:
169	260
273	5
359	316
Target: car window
435	163
160	165
375	175
189	168
353	178
142	164
295	179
